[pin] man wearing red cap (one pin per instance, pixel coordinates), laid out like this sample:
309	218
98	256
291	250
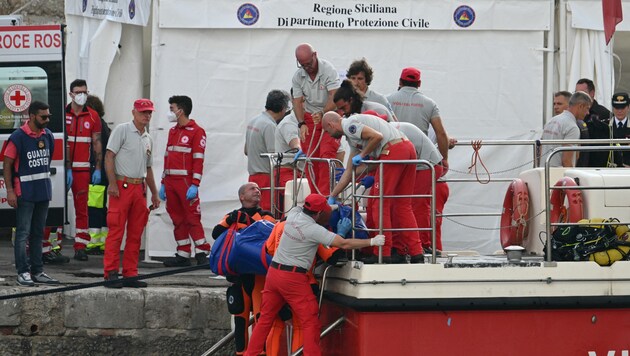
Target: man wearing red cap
314	85
368	135
410	105
128	166
83	126
287	281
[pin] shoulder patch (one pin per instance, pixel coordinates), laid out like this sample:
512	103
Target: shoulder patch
352	129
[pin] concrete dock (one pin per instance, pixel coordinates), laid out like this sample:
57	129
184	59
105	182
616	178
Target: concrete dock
180	314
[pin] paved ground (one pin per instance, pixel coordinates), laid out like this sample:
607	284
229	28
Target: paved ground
77	272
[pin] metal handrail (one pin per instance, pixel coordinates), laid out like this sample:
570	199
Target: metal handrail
325	332
224	341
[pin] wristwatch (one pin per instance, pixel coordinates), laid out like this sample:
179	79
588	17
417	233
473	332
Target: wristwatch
300	124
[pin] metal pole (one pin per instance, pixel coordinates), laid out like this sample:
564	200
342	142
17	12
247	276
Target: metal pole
433	236
324	333
380	209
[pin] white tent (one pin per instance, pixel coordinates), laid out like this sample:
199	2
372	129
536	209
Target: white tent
485	63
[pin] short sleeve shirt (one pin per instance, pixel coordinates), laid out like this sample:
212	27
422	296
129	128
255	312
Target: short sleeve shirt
315	92
371	95
560	127
260	138
133	150
353	127
300	239
379	108
410	105
425	149
286	131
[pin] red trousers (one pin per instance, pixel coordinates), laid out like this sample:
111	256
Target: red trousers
327	148
422	206
186	216
397	212
287	287
47	241
128	209
80	187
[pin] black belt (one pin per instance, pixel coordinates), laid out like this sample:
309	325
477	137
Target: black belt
276	265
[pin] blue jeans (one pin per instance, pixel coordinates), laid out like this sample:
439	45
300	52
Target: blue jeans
31	220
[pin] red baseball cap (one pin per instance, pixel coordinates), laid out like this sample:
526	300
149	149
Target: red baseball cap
316	203
410	74
374	113
143	105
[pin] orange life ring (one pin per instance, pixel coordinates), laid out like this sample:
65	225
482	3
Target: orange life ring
559	212
515	214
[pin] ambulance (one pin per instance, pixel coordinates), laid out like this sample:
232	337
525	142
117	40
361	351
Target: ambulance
32	69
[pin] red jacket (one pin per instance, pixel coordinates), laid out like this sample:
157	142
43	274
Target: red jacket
79	128
185	152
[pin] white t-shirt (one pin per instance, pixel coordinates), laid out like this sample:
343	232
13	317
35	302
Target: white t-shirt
410	105
315	92
560	127
425	149
353	126
260	138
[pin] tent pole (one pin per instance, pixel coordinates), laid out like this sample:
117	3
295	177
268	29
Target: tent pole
550	53
562	45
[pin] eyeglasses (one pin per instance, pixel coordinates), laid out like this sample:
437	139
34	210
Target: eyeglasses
309	64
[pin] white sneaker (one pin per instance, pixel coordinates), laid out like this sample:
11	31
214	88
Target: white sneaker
43	278
24	279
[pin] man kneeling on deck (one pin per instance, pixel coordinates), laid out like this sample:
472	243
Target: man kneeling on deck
287	281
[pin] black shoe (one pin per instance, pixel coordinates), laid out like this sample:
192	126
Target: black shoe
55	258
417	259
134	284
110	277
429	251
177	261
202	259
80	255
396	258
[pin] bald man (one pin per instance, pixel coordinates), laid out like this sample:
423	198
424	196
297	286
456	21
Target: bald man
314	84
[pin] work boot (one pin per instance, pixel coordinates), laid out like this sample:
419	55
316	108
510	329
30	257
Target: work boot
55	257
134	284
396	258
80	255
113	276
202	258
177	261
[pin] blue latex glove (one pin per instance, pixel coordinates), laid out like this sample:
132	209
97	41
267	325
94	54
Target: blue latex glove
96	176
162	193
344	226
339	173
332	201
298	154
192	192
367	181
356	160
68	178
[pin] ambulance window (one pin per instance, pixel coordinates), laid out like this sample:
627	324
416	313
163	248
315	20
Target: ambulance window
19	86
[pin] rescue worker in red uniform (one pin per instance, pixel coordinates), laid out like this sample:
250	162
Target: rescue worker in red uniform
287	281
183	167
128	166
249	284
83	127
368	135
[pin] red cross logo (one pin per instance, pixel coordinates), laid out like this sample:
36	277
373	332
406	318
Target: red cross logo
17	98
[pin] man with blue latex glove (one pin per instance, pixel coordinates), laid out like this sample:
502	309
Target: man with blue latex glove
192	192
298	154
183	170
356	160
68	178
332	201
344	226
96	176
367	181
162	193
339	173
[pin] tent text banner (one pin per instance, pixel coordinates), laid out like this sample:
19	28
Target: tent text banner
133	12
353	15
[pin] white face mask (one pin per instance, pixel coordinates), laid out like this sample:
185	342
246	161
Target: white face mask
171	116
80	99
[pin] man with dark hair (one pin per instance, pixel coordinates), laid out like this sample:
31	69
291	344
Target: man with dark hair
350	101
597	124
410	105
314	85
361	74
619	126
83	127
27	161
561	101
287	281
260	138
183	169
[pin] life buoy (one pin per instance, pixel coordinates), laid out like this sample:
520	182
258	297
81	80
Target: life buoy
559	212
515	214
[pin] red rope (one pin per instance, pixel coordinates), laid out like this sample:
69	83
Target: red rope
476	146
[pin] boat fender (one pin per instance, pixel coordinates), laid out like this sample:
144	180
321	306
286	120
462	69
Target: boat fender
559	212
514	219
